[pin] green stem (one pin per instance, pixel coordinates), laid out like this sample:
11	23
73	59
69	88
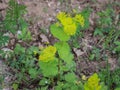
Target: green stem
52	81
58	69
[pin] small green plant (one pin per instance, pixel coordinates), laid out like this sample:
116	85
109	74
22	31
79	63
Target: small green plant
14	21
15	24
114	77
95	54
104	22
25	35
3	38
14	17
22	63
59	58
107	28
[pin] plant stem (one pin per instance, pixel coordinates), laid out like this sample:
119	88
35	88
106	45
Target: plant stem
52	81
58	69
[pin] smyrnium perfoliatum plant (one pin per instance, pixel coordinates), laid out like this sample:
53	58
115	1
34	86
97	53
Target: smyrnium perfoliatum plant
57	61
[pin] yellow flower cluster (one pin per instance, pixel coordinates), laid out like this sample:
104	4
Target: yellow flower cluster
93	83
61	16
48	54
67	22
80	19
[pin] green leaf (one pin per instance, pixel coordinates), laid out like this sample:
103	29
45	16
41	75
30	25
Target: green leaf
59	33
98	32
15	86
59	86
3	40
33	72
117	49
117	43
103	86
70	77
64	51
19	49
44	81
68	67
32	49
70	86
117	88
44	88
92	56
67	86
49	68
74	87
25	35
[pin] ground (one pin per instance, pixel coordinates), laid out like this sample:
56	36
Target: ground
41	13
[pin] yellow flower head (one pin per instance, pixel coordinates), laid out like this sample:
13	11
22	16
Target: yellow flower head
48	54
69	26
93	83
80	19
60	16
70	29
67	21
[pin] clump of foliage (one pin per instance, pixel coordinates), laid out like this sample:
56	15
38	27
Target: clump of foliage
108	27
115	77
13	23
95	54
114	80
14	20
59	58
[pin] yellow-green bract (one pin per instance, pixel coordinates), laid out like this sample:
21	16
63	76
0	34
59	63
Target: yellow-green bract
93	83
48	54
69	23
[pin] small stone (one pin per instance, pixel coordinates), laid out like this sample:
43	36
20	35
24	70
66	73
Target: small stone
44	38
78	52
19	32
3	6
6	49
